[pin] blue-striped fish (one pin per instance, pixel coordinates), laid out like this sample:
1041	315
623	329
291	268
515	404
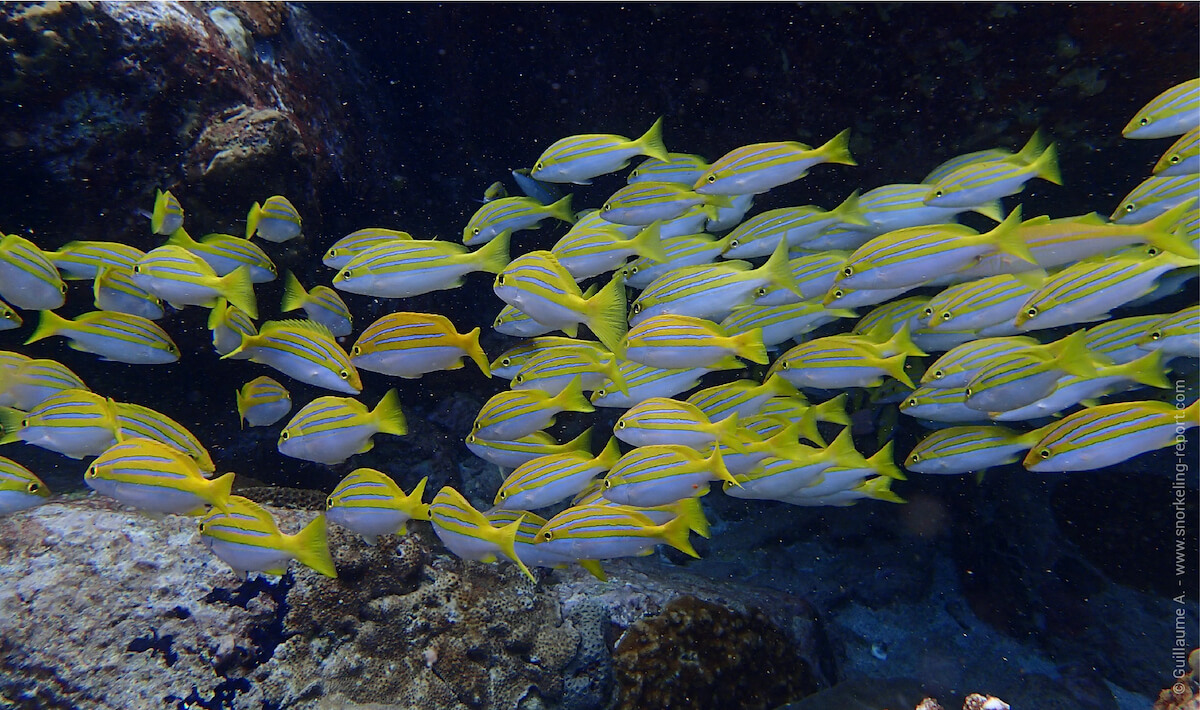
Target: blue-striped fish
510	362
27	278
1174	111
644	203
961	363
644	382
262	402
115	290
980	183
152	476
9	362
511	454
495	191
834	492
1087	291
369	502
784	444
967	449
469	534
910	257
891	207
756	168
1182	158
684	168
1109	434
1177	334
29	383
20	488
978	304
577	159
539	286
782	323
330	429
74	423
712	291
759	235
9	318
322	305
303	350
181	278
513	214
660	420
225	253
138	421
941	404
408	345
845	298
401	269
548	479
1032	148
676	341
836	363
552	370
167	215
776	478
513	321
247	539
358	241
588	253
662	474
84	259
517	413
797	408
1155	196
742	397
683	250
1025	376
228	324
275	220
886	320
1071	390
118	337
601	532
813	275
1118	339
526	547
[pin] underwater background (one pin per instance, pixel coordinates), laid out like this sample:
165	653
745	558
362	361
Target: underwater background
1046	590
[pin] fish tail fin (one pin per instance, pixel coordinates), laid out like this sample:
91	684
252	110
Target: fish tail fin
49	323
593	567
651	142
1072	355
572	399
993	210
884	463
850	211
10	424
779	271
880	488
294	295
241	408
417	509
842	450
160	211
648	242
219	490
238	289
387	413
901	342
689	517
583	442
894	366
1046	165
1161	230
837	150
1006	237
181	238
1033	148
561	210
833	411
507	541
806	426
1147	370
613	371
749	345
311	547
101	275
719	470
610	455
475	351
252	218
777	385
726	432
493	256
1191	413
606	313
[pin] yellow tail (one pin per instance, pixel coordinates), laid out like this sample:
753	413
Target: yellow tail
50	323
651	142
837	150
605	313
493	256
749	345
294	295
252	218
311	547
475	351
850	211
388	415
648	243
1006	237
572	399
237	288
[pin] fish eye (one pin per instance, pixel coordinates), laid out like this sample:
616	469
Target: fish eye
329	502
620	423
1144	122
1032	311
938	193
348	273
202	527
734	243
137	269
938	374
519	379
633	174
284	435
946	316
1156	335
91	472
539	166
24	423
1044	453
1129	207
1152	251
332	252
607	206
502	495
344	374
470	438
967	392
912	402
848	272
928	312
915	458
601	393
172	349
633	270
33	487
475	427
712	179
785	366
62	288
506	362
475	231
547	536
607	483
500	280
1173	160
637	308
760	292
356	350
838	294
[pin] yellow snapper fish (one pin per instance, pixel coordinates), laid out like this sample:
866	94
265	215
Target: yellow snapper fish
303	350
369	502
756	168
511	321
85	259
275	220
322	305
776	478
546	480
510	362
662	474
156	478
588	253
1024	376
836	362
539	286
644	382
330	429
759	235
898	206
979	183
1071	390
225	253
1182	158
248	540
684	168
494	191
1032	148
513	214
116	337
513	414
968	449
138	421
72	422
682	250
9	319
262	402
944	404
400	269
10	362
181	278
526	547
1175	335
511	454
778	324
841	493
167	215
1154	196
644	203
577	159
675	341
552	370
409	345
20	489
1171	113
356	242
601	532
29	383
469	534
114	290
228	324
743	397
660	420
1108	434
28	279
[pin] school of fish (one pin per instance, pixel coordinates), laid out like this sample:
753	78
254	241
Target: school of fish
1016	322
